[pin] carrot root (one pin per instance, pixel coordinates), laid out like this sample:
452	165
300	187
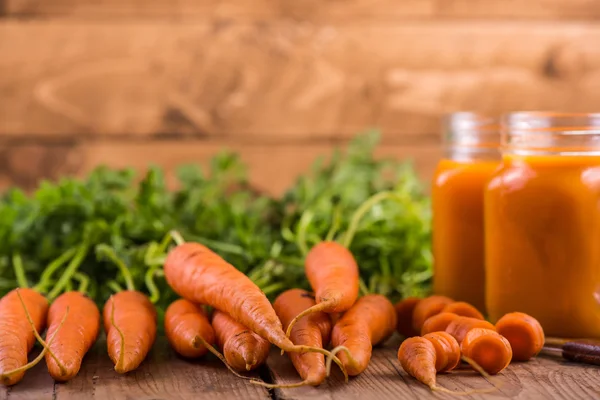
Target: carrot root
332	357
280	385
314	309
199	340
497	384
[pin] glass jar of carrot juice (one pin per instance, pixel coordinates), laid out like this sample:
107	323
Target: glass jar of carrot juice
542	214
471	156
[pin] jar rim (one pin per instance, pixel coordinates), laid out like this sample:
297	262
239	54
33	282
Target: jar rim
540	121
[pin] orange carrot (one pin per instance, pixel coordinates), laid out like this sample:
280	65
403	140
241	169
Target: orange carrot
130	324
404	314
447	350
463	309
370	321
523	332
419	357
312	330
244	350
77	333
488	349
462	325
16	334
333	274
428	307
438	322
187	329
198	274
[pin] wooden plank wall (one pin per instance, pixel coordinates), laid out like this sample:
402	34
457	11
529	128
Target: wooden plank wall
129	82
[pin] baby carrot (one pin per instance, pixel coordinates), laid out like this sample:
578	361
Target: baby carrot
312	330
75	337
187	329
333	274
447	350
130	324
460	326
404	314
488	349
16	334
438	322
370	321
427	308
463	309
243	349
523	332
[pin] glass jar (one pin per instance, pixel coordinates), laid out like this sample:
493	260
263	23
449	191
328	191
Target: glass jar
471	144
542	210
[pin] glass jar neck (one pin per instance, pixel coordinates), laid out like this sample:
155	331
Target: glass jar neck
471	137
543	134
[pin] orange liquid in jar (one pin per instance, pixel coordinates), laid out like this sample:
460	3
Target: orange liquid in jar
458	229
543	242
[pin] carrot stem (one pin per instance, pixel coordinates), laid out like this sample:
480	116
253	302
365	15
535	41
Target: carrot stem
114	286
19	270
303	224
69	271
151	285
63	370
360	213
363	287
273	288
177	238
84	281
335	224
216	352
58	262
109	253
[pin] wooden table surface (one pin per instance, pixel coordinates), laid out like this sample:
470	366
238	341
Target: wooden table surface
165	376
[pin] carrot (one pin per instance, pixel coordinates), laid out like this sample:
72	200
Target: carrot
438	322
312	330
463	309
333	274
17	336
244	350
419	357
370	321
488	349
129	320
130	324
404	314
447	350
198	274
187	328
76	336
427	308
462	325
523	332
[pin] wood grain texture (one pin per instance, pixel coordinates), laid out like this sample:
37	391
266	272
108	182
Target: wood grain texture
314	10
284	81
273	168
541	378
36	385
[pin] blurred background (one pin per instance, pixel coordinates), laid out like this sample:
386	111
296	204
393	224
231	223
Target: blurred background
133	82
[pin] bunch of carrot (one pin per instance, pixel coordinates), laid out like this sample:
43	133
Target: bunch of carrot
440	332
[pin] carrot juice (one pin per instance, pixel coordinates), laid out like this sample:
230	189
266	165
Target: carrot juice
542	213
457	200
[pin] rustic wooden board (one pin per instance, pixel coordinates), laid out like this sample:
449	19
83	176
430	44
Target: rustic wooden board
273	168
162	376
541	378
165	376
306	9
284	81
